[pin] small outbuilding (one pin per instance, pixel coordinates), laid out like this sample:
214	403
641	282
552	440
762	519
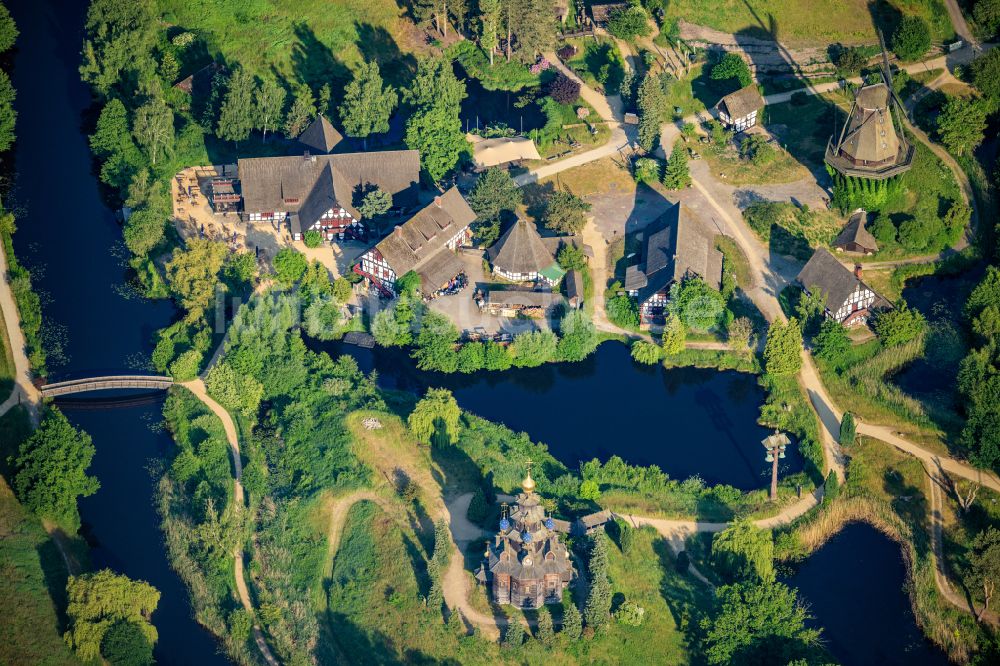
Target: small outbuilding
514	302
738	110
855	237
574	289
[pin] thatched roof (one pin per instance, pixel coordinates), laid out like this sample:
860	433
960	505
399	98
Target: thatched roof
574	285
869	134
501	150
520	250
838	282
742	103
321	135
413	244
855	232
309	185
677	245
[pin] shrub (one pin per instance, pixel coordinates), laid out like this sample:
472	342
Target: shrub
579	336
630	614
884	230
647	170
899	325
571	258
629	22
125	644
566	213
674	336
831	343
911	39
850	61
623	311
782	351
185	368
564	89
757	149
732	66
289	265
312	238
848	429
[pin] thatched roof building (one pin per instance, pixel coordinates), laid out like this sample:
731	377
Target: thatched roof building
855	237
520	255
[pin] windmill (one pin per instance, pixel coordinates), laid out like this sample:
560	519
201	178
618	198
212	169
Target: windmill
870	145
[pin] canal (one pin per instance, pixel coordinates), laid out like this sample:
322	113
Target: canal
687	421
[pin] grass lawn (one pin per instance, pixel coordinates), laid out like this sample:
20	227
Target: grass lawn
30	565
793	231
598	63
804	126
7	370
736	258
784	168
962	526
597	177
809	22
375	612
309	40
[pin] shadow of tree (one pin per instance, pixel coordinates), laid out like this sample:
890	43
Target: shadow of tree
376	44
314	63
684	596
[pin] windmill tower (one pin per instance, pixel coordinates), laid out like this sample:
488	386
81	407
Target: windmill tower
872	143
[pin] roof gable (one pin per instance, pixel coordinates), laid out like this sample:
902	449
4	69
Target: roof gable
743	102
677	245
321	135
521	250
825	273
855	232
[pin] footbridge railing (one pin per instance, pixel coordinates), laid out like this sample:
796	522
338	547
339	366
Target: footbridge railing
161	382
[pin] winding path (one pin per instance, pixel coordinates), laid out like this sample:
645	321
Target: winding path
24	391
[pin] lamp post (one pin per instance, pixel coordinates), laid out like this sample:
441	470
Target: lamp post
775	446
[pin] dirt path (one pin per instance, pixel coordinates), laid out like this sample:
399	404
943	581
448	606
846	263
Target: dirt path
24	392
197	387
598	273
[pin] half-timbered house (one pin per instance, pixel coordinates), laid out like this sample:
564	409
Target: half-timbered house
426	244
319	192
520	255
677	245
738	110
848	299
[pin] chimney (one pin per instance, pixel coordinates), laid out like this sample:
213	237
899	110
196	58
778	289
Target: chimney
306	157
857	271
437	201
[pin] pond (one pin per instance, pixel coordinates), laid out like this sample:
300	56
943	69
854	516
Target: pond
855	588
689	421
483	107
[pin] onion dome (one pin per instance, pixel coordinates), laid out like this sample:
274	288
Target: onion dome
550	524
526	536
504	524
528	485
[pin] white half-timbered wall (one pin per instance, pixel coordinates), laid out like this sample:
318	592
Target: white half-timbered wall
373	264
861	298
739	124
333	221
657	301
522	277
267	217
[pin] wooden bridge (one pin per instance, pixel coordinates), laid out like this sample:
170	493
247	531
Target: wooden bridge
159	382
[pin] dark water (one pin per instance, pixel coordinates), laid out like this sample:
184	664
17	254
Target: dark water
854	586
686	420
490	107
71	240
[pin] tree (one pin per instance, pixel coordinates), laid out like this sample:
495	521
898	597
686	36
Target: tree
757	149
489	26
367	103
571	257
302	112
8	30
144	230
961	125
676	176
546	633
986	13
698	306
391	331
579	336
831	343
434	128
237	115
478	507
471	357
985	561
850	61
598	608
884	230
185	367
236	391
375	203
566	212
986	74
52	470
783	348
125	644
435	416
533	24
646	170
810	309
899	325
564	89
758	624
629	22
848	430
572	624
743	552
192	275
630	614
119	38
96	602
647	353
653	106
732	66
531	349
268	102
153	127
112	133
623	311
289	265
911	39
498	357
494	192
436	344
674	335
513	636
590	490
740	334
8	116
